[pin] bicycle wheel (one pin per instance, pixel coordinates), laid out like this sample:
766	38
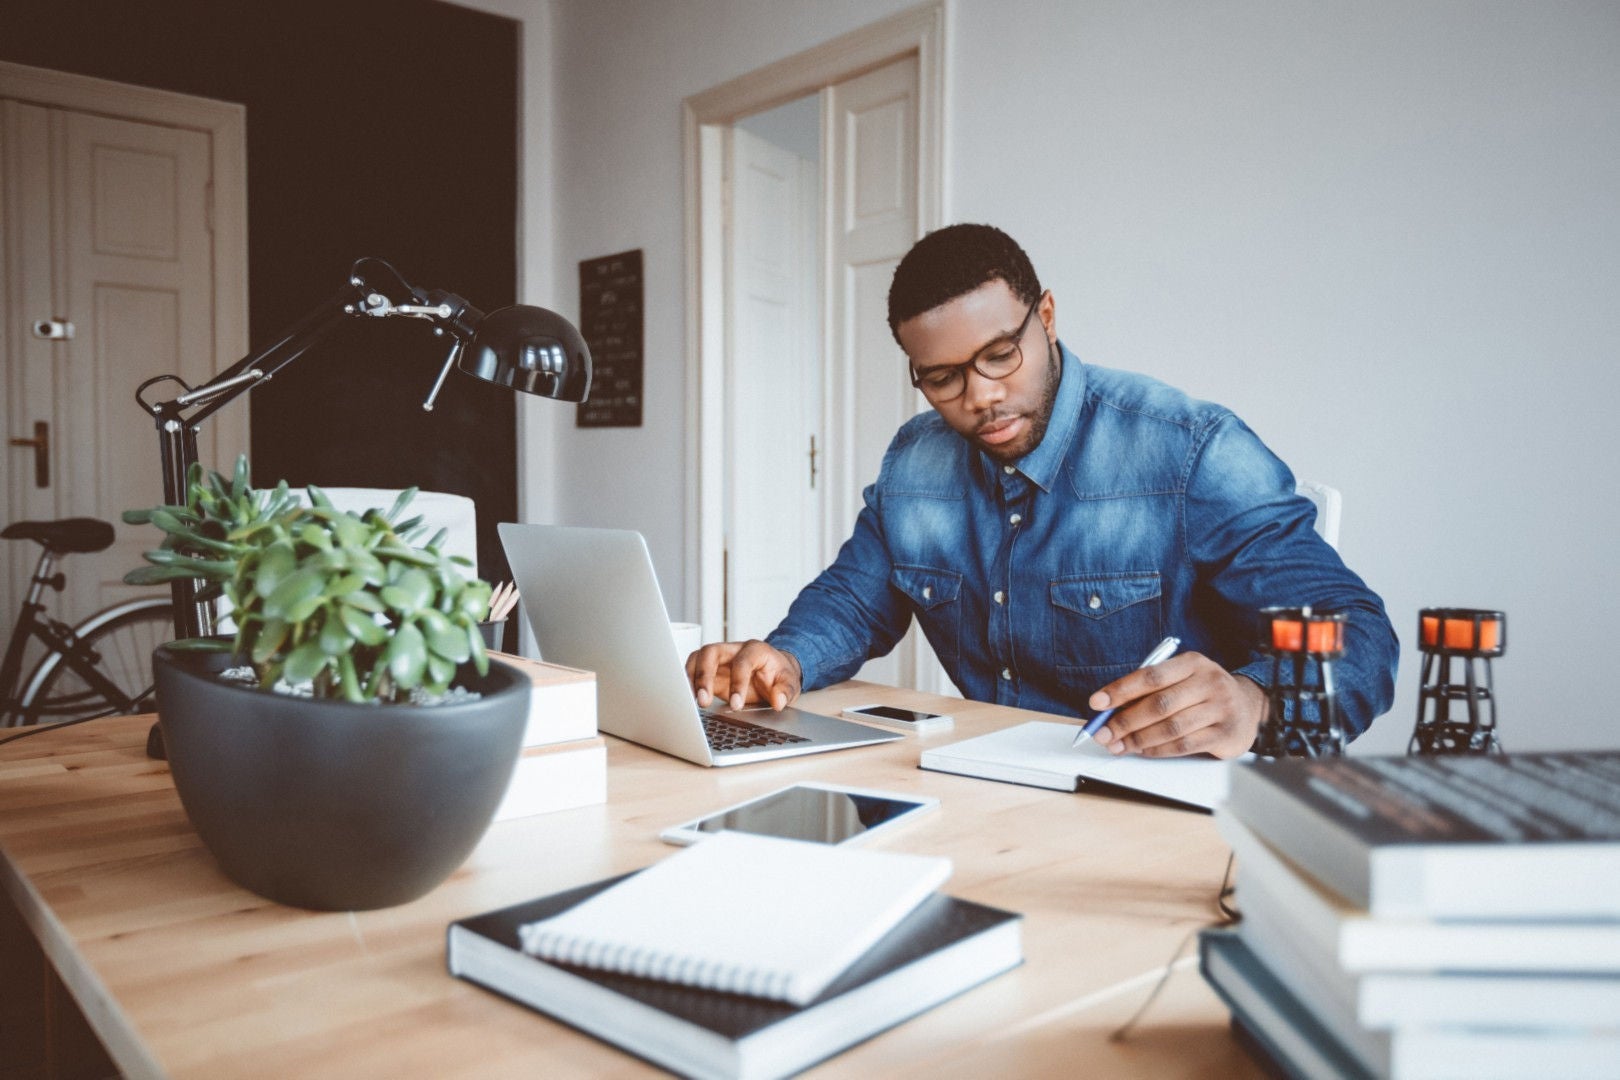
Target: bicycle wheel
120	640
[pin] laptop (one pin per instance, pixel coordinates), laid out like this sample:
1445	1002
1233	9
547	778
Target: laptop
592	599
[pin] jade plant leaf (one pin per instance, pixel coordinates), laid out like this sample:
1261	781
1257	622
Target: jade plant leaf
354	606
407	657
410	594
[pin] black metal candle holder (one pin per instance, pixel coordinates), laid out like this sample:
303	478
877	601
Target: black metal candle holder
1303	717
1472	638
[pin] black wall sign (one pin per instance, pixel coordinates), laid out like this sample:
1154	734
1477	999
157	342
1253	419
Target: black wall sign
610	319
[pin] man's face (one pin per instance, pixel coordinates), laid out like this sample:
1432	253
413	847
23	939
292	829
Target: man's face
1006	417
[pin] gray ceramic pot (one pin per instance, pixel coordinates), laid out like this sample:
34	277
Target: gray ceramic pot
329	804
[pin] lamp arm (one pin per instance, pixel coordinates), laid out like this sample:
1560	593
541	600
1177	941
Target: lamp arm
375	289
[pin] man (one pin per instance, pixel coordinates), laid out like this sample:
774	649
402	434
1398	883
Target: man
1050	522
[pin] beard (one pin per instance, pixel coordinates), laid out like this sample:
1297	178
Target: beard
1007	453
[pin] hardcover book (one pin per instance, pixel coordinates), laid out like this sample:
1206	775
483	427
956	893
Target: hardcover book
1353	940
1530	836
1384	1000
1290	1040
1310	1036
944	947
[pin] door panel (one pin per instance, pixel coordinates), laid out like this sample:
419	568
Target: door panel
874	220
771	524
138	281
25	228
127	258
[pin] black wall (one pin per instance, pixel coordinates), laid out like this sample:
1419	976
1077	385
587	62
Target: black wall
374	127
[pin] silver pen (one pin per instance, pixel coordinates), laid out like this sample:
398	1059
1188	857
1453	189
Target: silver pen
1161	652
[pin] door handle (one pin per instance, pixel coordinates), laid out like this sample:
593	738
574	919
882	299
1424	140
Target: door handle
41	442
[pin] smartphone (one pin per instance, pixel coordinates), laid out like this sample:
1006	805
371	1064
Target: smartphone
823	813
899	719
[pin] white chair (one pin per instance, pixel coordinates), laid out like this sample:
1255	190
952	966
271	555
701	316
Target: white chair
1328	502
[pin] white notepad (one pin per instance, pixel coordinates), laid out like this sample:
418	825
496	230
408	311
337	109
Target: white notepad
1042	754
746	914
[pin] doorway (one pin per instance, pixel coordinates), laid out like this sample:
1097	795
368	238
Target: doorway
878	95
123	254
773	512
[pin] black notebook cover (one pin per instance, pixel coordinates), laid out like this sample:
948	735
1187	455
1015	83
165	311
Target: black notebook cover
939	922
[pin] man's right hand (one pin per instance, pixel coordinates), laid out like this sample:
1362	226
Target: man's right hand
741	673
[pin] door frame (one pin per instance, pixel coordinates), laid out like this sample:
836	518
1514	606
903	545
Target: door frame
705	117
225	123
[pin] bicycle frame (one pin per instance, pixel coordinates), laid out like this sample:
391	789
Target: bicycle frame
64	645
27	627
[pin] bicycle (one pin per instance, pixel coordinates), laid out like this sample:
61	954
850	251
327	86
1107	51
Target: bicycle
102	665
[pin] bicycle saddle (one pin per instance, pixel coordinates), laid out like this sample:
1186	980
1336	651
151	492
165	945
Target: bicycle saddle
63	537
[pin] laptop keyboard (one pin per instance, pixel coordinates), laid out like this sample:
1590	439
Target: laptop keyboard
726	733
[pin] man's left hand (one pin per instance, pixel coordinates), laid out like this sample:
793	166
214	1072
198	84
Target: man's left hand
1187	705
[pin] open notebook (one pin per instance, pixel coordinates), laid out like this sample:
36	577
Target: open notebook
1041	754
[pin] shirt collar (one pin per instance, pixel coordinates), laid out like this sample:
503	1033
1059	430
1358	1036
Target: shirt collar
1041	464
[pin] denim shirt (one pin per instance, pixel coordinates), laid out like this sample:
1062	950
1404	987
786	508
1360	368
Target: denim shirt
1142	513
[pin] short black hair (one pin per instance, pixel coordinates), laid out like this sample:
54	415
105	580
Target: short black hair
952	262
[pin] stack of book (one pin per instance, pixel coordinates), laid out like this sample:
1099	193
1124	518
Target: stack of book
743	956
1425	916
564	760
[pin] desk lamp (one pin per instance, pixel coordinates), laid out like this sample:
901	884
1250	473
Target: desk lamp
521	347
1473	637
1302	717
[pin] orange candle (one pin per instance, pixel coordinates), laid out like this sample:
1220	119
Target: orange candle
1287	635
1459	632
1325	636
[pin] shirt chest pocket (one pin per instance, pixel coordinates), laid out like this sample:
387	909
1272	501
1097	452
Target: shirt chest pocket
935	595
1105	620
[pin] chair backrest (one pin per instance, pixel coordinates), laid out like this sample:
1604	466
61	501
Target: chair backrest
1328	501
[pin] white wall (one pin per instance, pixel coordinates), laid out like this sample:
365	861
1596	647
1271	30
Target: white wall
1388	234
621	70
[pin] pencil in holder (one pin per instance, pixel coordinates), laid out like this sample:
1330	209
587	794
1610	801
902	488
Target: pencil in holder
1302	714
1457	698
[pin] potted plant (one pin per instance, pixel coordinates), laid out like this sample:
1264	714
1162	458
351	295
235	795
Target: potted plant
349	746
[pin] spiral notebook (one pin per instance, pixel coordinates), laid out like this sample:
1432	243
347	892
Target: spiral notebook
755	915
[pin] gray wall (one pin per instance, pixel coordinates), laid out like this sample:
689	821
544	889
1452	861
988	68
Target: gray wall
1387	233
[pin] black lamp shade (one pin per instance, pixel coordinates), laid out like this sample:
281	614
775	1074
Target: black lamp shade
530	349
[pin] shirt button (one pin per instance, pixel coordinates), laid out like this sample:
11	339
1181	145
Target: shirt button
928	591
1006	673
1095	602
1000	597
1009	469
1015	519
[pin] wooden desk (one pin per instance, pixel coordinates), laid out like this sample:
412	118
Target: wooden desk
181	973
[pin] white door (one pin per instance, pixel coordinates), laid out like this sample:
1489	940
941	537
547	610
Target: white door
106	225
773	525
872	221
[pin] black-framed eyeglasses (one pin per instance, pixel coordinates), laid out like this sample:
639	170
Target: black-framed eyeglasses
997	360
